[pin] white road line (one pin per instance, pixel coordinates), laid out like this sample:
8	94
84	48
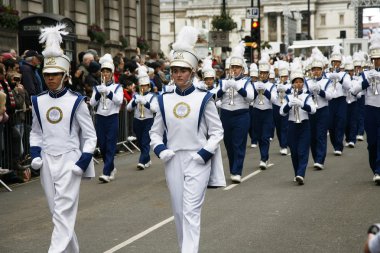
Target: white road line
138	236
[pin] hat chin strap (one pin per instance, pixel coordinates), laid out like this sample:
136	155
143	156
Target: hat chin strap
61	84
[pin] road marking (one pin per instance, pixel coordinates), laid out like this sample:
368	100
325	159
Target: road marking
138	236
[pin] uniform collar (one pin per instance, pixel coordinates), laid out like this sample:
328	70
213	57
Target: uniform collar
109	82
58	94
239	77
185	92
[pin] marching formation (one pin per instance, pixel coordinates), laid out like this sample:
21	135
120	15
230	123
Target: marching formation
305	102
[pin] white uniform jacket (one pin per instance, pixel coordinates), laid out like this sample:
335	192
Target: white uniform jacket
191	123
241	98
369	85
304	111
269	95
282	90
150	108
113	100
341	85
326	90
61	124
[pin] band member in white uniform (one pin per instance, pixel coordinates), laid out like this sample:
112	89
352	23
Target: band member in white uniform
144	106
321	91
371	87
107	99
359	60
235	93
299	105
254	74
62	142
189	118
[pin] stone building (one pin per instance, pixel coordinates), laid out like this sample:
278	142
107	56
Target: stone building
121	22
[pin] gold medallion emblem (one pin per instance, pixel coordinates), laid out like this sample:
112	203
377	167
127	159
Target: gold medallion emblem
181	110
179	56
50	61
54	115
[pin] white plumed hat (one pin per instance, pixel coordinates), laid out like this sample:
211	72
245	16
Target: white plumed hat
348	63
317	58
296	70
143	76
55	60
237	55
253	70
207	69
358	58
106	62
183	54
374	49
283	68
264	65
336	55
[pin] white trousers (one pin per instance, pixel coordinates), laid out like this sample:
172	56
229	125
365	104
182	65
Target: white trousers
187	182
61	188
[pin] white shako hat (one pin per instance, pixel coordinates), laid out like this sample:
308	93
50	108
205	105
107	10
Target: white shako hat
237	55
207	69
271	72
264	62
183	54
106	62
336	55
283	68
143	76
348	63
317	58
374	49
55	61
296	70
358	58
253	70
228	60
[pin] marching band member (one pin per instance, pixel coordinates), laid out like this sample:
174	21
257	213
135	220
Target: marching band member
189	119
254	74
371	85
298	105
208	74
359	60
265	95
338	105
61	115
321	91
144	105
235	93
281	122
352	107
107	98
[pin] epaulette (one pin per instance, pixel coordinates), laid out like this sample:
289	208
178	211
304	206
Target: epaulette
74	92
200	89
42	93
167	92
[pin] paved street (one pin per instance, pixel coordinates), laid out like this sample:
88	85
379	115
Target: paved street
265	213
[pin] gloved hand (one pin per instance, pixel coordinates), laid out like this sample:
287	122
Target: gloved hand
372	74
143	100
298	102
77	170
196	157
316	88
260	86
292	103
101	88
355	88
138	99
166	155
333	76
281	87
218	103
36	163
226	85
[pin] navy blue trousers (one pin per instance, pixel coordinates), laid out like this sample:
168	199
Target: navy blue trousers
352	119
361	109
372	129
318	134
106	130
252	134
263	126
337	121
299	143
141	129
281	123
236	125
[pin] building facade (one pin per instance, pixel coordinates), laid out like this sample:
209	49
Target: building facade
329	19
121	22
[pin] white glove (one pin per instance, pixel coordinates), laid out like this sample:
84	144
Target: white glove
355	88
218	103
372	74
316	88
143	100
226	85
281	87
77	170
260	86
292	103
137	99
166	155
101	88
334	75
196	157
36	163
298	102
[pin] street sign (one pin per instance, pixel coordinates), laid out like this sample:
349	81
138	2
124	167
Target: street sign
218	39
252	13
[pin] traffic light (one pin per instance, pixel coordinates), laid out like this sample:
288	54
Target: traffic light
248	48
255	33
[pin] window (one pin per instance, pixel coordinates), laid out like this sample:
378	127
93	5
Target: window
323	19
171	26
341	19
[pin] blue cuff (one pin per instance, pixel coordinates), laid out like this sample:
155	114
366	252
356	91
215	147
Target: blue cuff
242	92
147	105
84	161
306	107
97	96
158	149
286	108
35	151
322	93
205	154
267	94
134	104
110	95
220	93
365	83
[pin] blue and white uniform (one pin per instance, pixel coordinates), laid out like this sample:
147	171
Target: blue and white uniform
192	126
235	119
107	122
59	118
142	126
281	122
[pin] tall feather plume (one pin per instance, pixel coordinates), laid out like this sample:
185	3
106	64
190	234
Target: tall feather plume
283	64
336	49
253	66
52	37
106	58
375	40
186	39
296	65
141	72
207	63
238	50
264	57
